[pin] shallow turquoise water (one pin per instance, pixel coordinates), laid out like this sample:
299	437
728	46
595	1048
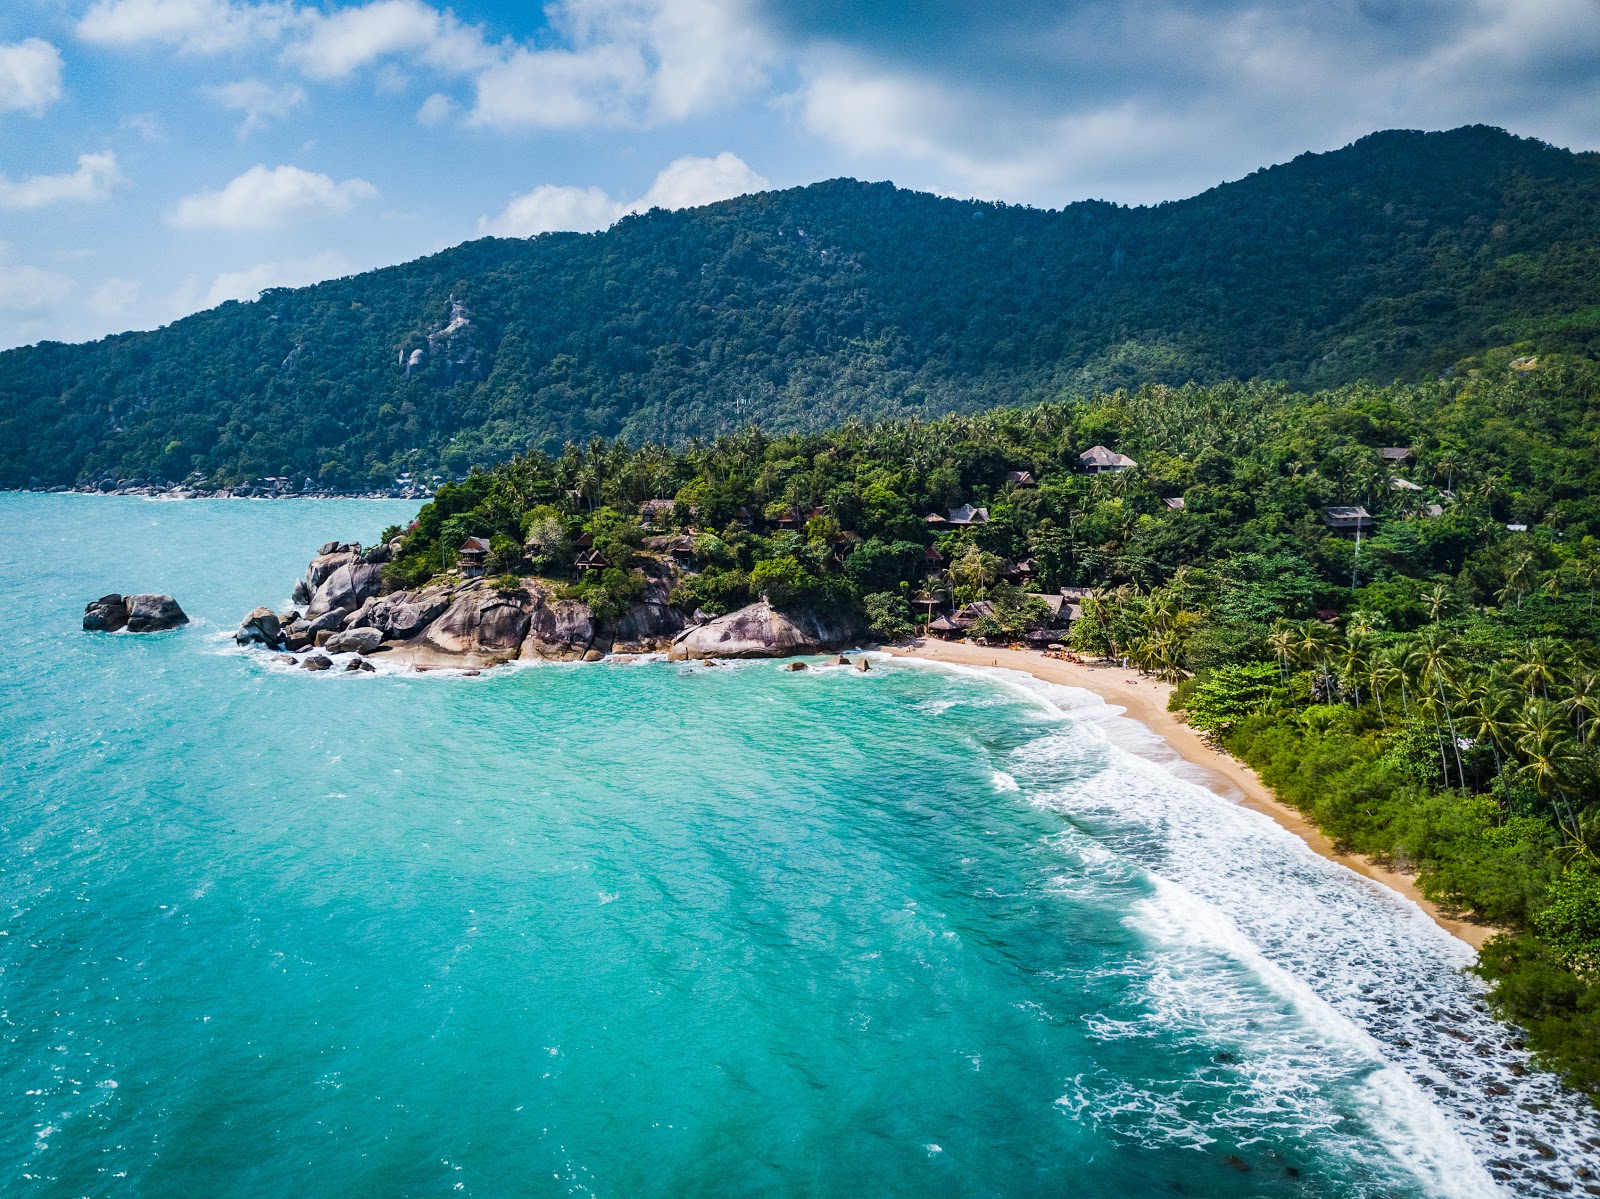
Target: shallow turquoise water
628	930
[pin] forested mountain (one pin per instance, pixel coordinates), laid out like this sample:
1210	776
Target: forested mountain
1395	257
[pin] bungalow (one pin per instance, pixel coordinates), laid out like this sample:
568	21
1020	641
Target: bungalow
1174	502
967	515
1021	478
1399	484
682	549
592	560
654	510
936	521
473	557
1077	593
943	626
1348	519
1057	605
1097	460
585	541
1394	453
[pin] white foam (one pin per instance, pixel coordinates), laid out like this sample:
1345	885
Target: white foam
1363	969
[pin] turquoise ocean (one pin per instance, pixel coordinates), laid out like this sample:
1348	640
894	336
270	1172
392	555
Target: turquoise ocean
639	929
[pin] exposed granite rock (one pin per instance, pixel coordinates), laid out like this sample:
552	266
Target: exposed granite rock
761	631
348	587
316	662
360	664
405	614
105	615
261	627
358	641
153	613
481	621
560	630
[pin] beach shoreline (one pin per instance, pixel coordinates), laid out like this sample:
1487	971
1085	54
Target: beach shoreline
1145	700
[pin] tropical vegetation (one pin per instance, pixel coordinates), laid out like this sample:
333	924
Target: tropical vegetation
1392	258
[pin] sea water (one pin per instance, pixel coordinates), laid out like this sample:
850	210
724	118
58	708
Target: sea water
656	929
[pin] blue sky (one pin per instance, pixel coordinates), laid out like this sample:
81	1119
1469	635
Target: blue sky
160	156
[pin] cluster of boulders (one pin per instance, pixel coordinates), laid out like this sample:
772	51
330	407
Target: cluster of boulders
343	607
132	613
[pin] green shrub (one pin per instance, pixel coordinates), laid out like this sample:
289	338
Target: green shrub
888	615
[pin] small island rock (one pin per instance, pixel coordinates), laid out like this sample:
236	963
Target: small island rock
146	613
105	615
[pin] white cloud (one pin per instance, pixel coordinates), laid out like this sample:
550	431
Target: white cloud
26	288
353	37
258	101
627	62
686	183
264	198
96	175
30	75
435	110
195	26
249	283
114	297
547	209
690	182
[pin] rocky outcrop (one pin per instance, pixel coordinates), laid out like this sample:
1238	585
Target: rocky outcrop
481	621
347	586
146	613
762	631
405	614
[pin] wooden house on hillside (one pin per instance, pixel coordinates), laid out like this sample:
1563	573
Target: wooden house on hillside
1098	460
1348	519
1021	478
472	560
1394	453
967	515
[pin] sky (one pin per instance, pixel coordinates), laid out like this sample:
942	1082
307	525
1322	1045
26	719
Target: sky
158	157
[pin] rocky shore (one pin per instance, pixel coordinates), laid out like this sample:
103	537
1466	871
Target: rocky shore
342	605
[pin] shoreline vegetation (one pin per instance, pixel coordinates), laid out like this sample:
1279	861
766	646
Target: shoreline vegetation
1382	600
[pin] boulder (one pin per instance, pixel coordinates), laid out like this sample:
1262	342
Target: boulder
863	665
795	666
301	594
360	664
324	565
105	615
558	629
762	631
378	554
593	655
153	613
405	614
353	641
317	662
262	627
331	622
348	587
480	621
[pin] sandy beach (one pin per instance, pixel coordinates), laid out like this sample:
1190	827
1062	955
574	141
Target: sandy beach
1145	700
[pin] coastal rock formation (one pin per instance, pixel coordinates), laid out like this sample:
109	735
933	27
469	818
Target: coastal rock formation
348	586
146	613
261	626
357	641
405	614
762	631
480	621
105	615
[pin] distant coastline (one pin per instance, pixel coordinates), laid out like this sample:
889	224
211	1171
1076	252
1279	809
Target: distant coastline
1144	699
180	492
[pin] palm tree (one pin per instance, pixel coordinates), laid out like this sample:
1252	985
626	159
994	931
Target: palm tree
1540	666
1438	601
1433	658
1522	576
1542	739
1381	675
1582	707
1281	641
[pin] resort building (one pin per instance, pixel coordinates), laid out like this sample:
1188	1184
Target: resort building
968	515
1348	519
1395	453
1021	478
473	557
1098	460
1174	502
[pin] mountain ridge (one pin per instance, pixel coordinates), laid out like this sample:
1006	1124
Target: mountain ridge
1393	257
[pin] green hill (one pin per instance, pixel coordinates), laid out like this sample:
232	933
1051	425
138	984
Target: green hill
1394	257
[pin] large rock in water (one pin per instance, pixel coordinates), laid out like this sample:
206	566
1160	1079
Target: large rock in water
153	613
105	615
261	626
358	641
348	587
761	631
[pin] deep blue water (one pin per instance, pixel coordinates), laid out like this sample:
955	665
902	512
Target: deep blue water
647	929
